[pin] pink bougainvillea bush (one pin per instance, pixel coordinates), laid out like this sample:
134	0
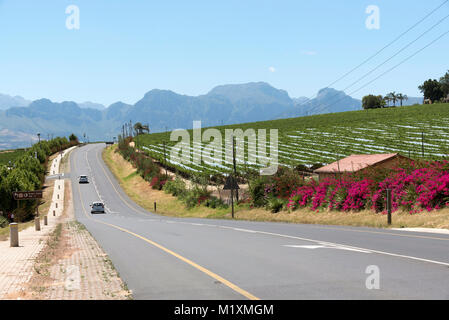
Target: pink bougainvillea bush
417	187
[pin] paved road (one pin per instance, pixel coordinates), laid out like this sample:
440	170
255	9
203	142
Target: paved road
169	258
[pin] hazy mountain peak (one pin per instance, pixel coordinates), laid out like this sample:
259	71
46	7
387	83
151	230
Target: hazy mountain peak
159	93
327	100
253	91
119	104
91	105
329	91
7	101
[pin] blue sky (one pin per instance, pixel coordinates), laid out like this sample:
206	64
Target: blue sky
125	48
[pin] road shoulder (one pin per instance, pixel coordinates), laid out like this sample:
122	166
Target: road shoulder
62	261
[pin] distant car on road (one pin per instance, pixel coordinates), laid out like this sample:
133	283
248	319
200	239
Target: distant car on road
83	179
97	207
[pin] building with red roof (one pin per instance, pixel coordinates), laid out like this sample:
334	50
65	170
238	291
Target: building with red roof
357	162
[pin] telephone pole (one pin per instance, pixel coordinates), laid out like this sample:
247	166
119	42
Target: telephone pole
422	143
165	162
235	167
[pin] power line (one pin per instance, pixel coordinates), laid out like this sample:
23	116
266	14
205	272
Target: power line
402	62
394	67
397	53
389	44
391	57
379	51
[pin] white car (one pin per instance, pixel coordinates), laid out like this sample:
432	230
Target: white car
97	207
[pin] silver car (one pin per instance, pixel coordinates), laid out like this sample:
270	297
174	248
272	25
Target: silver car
97	207
83	179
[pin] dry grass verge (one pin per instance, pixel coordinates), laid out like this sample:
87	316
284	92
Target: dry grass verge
140	191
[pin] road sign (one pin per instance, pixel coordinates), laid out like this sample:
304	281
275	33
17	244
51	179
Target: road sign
231	183
27	195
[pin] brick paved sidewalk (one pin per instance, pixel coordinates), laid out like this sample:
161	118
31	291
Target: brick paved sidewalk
16	264
62	261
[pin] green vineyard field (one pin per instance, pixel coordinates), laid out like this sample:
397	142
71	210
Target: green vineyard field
420	131
10	155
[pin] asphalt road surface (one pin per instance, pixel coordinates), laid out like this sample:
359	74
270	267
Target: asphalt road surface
171	258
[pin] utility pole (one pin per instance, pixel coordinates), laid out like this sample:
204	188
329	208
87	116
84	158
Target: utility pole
338	165
235	167
422	143
165	162
232	202
389	206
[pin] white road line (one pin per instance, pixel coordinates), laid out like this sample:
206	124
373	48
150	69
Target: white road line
109	210
428	230
357	248
326	247
304	247
332	244
244	230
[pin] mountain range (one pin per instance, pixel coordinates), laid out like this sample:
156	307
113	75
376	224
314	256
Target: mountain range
21	120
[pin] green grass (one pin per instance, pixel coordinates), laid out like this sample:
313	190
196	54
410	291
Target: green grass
324	138
10	155
130	176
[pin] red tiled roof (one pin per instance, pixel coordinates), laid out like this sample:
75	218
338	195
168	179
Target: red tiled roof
355	162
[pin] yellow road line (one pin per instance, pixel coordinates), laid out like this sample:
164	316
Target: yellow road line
188	261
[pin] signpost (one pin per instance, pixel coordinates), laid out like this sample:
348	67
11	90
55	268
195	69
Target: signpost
231	184
389	206
234	163
27	195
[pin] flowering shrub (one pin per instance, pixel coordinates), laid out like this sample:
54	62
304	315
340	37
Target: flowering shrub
416	187
265	190
302	196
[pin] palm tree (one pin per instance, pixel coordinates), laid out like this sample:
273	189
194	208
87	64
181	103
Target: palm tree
138	128
392	97
401	97
387	100
146	128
